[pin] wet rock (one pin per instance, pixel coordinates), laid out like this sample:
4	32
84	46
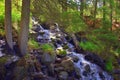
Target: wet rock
101	76
58	69
68	65
37	28
20	73
87	68
1	54
38	75
58	60
78	72
63	75
48	58
74	58
11	60
95	59
51	70
85	73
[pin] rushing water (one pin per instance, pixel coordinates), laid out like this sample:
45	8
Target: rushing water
94	72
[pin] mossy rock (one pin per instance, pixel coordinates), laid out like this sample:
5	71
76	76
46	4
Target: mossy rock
61	53
47	48
3	60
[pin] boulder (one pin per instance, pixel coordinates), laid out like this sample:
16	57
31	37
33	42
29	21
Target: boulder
95	59
87	68
48	58
78	72
74	58
68	65
63	75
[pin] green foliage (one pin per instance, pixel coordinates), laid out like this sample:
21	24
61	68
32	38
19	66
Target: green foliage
62	52
2	12
73	22
89	46
16	15
3	60
44	10
47	48
2	32
16	11
109	65
33	44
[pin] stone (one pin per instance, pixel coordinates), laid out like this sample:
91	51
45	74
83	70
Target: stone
68	65
20	72
78	72
48	58
95	59
51	70
63	75
85	73
101	76
87	68
58	69
74	58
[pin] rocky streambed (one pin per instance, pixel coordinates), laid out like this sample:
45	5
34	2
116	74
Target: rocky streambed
65	63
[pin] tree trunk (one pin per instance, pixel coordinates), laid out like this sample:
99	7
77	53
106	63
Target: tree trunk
8	25
63	4
104	12
111	13
75	40
82	7
95	11
24	26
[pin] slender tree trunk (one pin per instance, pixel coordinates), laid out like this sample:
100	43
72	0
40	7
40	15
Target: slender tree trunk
104	12
64	5
95	11
8	25
75	40
111	13
82	7
24	26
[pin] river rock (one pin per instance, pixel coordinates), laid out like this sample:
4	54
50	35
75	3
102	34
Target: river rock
87	68
48	58
101	76
78	72
63	75
68	65
20	73
74	58
58	69
51	70
95	59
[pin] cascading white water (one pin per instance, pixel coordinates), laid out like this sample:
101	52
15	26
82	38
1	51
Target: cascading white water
93	72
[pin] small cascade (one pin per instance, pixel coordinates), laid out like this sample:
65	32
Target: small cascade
83	68
2	44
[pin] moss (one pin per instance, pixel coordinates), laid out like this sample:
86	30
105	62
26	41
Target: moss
47	48
62	52
2	32
33	44
3	60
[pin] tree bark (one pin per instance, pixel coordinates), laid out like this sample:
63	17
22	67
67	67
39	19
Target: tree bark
75	40
111	13
24	26
8	25
95	11
82	7
104	12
